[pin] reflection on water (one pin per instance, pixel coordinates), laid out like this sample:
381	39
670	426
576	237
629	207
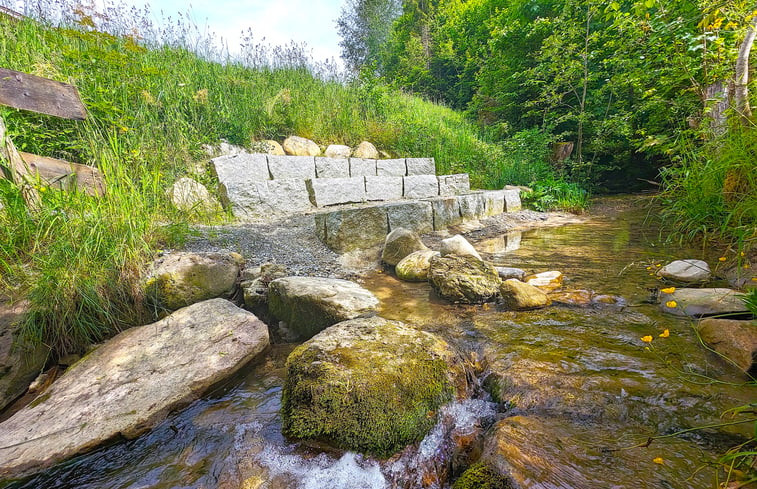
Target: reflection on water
576	389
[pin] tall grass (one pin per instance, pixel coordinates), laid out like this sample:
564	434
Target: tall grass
155	95
711	194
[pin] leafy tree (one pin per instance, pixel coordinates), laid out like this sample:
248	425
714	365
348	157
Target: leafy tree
364	27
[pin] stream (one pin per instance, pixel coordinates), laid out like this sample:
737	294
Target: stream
575	393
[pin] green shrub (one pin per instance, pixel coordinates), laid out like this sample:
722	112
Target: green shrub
556	194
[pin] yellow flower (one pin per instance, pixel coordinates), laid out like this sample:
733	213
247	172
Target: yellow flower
754	279
747	266
722	258
658	460
669	290
646	339
665	333
658	264
649	268
671	304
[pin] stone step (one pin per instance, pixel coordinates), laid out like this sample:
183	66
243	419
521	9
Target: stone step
345	230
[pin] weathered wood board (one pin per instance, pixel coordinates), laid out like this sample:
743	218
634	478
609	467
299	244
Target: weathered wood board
28	92
65	175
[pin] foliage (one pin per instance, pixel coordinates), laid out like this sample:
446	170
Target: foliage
482	476
364	26
547	195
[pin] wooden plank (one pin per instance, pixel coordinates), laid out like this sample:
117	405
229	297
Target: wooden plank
11	13
19	171
66	175
29	92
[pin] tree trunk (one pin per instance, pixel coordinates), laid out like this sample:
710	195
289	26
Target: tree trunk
741	80
716	104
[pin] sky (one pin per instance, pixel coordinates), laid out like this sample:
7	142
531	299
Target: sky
278	21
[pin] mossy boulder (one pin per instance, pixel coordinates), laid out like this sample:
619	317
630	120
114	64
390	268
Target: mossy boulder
482	476
400	243
370	385
177	280
464	279
414	267
309	305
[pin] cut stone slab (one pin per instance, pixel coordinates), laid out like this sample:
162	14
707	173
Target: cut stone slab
369	385
415	266
520	296
688	271
420	166
366	150
352	229
291	167
285	197
330	191
702	302
494	202
400	243
338	151
457	245
383	188
415	216
297	146
391	168
472	206
309	305
332	168
179	279
464	279
512	200
236	171
19	366
130	383
735	340
446	212
454	184
361	167
421	186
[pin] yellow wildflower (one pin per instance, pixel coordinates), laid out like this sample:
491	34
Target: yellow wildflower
649	268
671	304
754	279
658	264
658	460
665	333
669	290
747	266
646	339
722	258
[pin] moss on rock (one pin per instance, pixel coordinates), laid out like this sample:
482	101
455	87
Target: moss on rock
369	385
482	476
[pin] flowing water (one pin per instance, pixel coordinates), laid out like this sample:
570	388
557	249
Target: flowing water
578	392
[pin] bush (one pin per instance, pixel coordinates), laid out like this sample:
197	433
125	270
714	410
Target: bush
556	194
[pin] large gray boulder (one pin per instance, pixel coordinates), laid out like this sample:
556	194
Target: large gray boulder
192	197
400	243
366	150
369	385
338	151
130	383
457	245
519	296
176	280
309	305
464	279
415	266
297	146
19	365
352	229
689	271
702	302
735	340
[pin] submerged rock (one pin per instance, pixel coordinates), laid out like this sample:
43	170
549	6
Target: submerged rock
297	146
179	279
457	245
130	383
702	302
482	476
689	271
415	266
400	243
19	365
546	281
369	385
735	340
575	298
464	279
520	296
310	304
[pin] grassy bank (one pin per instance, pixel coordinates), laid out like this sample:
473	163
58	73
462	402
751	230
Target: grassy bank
153	102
